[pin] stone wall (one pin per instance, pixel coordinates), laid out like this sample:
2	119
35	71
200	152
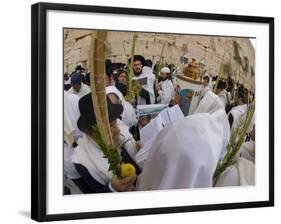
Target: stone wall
220	54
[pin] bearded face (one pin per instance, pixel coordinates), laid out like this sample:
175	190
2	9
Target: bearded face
137	67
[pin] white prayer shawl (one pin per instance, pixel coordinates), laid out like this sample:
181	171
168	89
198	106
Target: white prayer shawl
203	92
223	97
89	155
71	115
68	167
209	104
167	92
129	116
247	151
84	90
185	153
67	82
147	72
240	173
239	114
126	136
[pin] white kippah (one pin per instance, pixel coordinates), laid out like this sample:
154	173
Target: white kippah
165	70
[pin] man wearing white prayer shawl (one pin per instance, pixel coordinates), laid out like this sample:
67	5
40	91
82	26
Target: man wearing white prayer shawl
206	86
247	149
77	86
89	159
209	104
221	92
238	113
131	145
242	172
71	115
71	136
165	87
142	72
129	115
186	152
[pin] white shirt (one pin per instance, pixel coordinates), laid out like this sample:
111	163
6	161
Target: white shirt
84	90
166	92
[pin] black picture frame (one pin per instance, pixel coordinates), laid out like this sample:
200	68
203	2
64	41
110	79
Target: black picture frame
39	114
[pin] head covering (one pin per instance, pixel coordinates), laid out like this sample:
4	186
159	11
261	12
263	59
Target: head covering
88	118
113	89
76	78
148	63
186	152
221	84
139	58
165	70
79	67
108	67
209	103
122	88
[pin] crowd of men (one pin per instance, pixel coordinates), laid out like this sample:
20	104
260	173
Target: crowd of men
183	155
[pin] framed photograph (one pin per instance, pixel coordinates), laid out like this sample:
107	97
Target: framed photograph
141	111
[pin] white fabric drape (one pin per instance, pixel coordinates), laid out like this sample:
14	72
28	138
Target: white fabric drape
185	153
209	104
88	154
223	97
84	90
71	115
240	173
129	116
247	151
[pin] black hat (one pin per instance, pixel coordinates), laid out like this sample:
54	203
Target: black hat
139	58
79	67
122	88
87	115
148	62
221	84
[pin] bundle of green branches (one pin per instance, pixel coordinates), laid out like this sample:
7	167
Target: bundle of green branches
111	153
234	145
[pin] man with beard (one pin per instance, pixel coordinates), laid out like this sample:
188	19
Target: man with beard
145	78
165	88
